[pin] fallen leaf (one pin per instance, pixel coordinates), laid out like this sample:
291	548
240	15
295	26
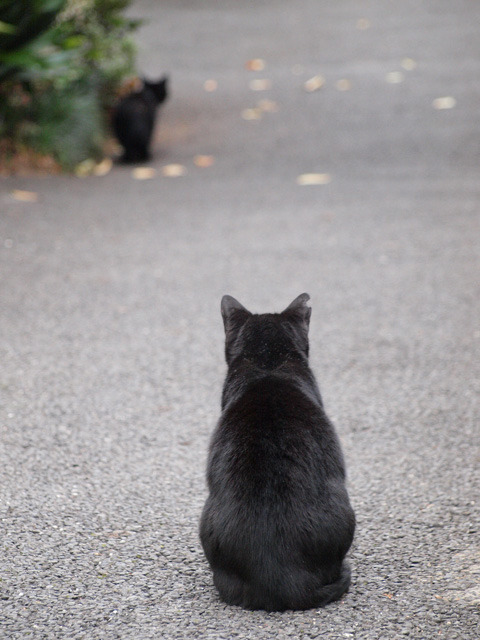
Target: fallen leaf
395	77
203	161
25	196
268	106
308	179
343	84
314	84
103	167
210	85
173	170
252	114
447	102
256	64
388	595
85	168
408	64
260	84
143	173
362	24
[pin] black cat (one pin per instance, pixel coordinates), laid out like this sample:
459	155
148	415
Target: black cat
134	119
278	522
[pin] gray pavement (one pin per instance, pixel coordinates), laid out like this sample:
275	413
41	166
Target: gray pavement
111	341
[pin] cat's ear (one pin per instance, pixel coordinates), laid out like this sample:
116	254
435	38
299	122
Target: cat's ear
234	314
298	309
161	89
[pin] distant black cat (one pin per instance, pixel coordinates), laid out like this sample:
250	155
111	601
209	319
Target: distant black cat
278	522
134	119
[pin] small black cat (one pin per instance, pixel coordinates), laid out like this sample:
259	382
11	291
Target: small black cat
277	522
134	119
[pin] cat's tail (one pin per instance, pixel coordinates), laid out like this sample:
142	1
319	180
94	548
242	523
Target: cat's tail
266	597
335	590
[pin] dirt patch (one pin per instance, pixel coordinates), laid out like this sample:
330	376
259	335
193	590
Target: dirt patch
25	162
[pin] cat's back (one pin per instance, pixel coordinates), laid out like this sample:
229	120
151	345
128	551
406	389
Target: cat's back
275	430
134	105
271	400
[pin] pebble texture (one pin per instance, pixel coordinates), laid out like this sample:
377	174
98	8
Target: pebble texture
111	340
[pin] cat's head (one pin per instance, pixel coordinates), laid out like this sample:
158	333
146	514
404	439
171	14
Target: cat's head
159	89
269	339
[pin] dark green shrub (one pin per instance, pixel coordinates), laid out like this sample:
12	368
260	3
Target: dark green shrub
60	65
21	23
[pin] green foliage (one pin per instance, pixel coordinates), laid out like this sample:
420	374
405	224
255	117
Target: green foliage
22	23
66	123
95	33
26	20
60	65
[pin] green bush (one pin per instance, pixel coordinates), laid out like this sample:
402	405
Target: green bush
61	63
21	23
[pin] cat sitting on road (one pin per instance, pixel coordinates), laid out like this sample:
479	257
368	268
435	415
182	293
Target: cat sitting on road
134	119
277	522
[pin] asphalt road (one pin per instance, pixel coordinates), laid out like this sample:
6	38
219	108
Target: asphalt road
111	340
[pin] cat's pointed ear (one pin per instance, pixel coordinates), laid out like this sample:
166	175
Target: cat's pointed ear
234	317
234	314
299	309
162	84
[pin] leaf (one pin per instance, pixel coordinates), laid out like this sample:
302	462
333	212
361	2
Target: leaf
85	168
256	64
7	28
309	179
25	196
143	173
103	167
446	102
210	85
314	84
73	42
173	170
203	161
